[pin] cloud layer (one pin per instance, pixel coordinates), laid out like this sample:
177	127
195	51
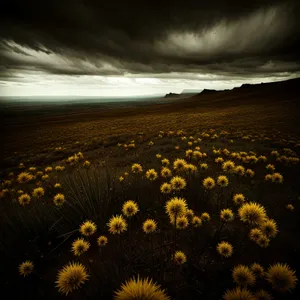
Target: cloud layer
167	40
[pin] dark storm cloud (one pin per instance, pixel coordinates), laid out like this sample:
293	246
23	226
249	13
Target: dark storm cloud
77	37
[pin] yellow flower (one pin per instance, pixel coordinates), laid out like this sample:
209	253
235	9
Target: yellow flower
277	177
208	183
117	224
121	178
205	217
263	295
197	155
196	221
269	228
80	246
270	167
38	192
176	207
59	199
179	257
225	249
226	215
102	241
130	208
252	213
165	162
182	222
136	168
219	160
290	207
45	177
59	168
48	169
165	172
239	294
281	277
204	166
140	289
190	168
158	156
263	241
24	177
238	199
71	277
149	226
166	188
178	183
24	199
255	234
57	185
240	170
151	174
87	228
268	177
258	270
222	181
242	275
189	214
179	164
250	173
150	143
86	164
228	166
26	268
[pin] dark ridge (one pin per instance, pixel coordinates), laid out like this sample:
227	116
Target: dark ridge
171	95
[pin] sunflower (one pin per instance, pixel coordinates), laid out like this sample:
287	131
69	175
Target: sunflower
102	241
165	172
149	226
270	168
71	277
86	164
205	217
59	199
26	268
189	153
182	222
281	277
190	168
196	221
57	185
252	213
38	192
48	169
228	166
225	249
277	178
189	214
121	178
197	155
24	199
178	183
263	295
208	183
176	207
268	177
179	257
258	270
179	164
45	177
140	289
130	208
226	215
80	246
269	228
222	181
158	156
151	174
290	207
166	188
117	224
87	228
242	275
136	168
24	177
238	294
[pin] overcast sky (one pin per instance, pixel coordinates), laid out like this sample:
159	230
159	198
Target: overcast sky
122	48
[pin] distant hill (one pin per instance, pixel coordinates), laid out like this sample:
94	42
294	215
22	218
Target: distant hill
172	95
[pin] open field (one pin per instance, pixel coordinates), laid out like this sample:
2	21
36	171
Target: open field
85	153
